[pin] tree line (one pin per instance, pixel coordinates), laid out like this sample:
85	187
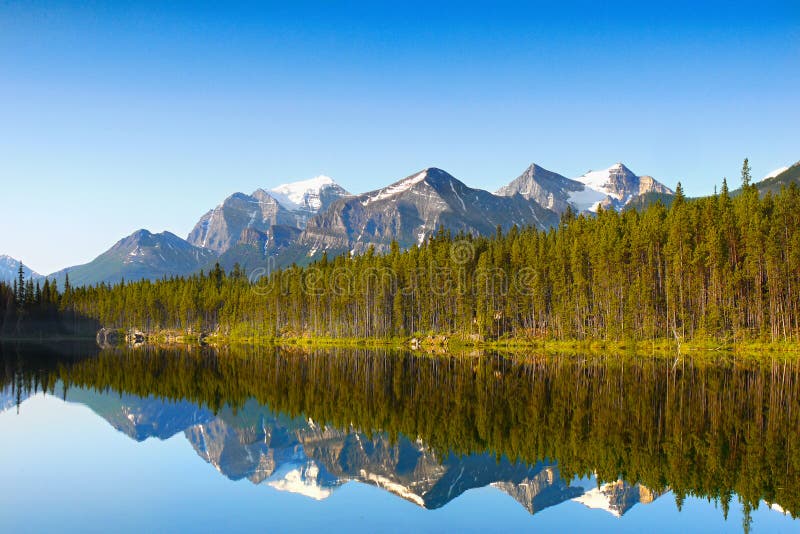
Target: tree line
723	267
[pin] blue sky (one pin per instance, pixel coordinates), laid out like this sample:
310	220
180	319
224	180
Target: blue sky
118	116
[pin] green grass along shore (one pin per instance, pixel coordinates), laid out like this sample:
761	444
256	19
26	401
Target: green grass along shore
454	343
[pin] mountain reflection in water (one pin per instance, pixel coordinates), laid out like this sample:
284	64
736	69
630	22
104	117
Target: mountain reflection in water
606	432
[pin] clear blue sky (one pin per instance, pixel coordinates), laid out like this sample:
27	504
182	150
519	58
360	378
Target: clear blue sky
115	117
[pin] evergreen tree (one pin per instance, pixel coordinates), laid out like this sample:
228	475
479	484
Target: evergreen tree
679	195
21	286
746	176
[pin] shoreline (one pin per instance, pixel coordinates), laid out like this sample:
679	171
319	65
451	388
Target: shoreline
443	343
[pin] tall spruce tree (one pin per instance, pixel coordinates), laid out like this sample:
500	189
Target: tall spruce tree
746	176
21	286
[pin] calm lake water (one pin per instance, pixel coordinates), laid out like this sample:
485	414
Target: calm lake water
357	440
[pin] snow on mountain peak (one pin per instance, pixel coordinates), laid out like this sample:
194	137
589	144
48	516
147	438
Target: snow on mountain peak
776	172
304	194
613	187
600	179
396	188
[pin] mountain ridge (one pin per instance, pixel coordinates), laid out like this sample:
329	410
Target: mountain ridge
413	208
141	254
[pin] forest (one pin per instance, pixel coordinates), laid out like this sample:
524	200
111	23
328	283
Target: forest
724	267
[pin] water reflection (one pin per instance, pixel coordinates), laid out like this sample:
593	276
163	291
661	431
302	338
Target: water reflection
609	433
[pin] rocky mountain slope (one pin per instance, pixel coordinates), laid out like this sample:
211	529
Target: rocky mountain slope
140	255
288	205
412	209
9	270
779	178
546	188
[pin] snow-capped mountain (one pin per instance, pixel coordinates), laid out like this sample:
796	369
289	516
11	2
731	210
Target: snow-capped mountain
411	209
779	178
288	205
613	188
9	270
310	195
406	211
776	172
546	188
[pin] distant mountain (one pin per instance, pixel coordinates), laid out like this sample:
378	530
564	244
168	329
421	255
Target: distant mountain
412	209
309	196
221	228
288	205
297	222
546	188
140	255
782	177
9	270
612	188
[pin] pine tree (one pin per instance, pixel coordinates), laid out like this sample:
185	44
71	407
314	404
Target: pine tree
746	176
679	195
21	286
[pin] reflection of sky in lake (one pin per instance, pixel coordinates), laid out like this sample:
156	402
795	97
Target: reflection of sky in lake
64	468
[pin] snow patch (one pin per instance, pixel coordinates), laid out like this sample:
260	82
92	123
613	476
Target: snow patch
452	188
776	172
598	186
303	481
304	194
208	224
597	499
777	508
397	188
586	200
597	179
394	487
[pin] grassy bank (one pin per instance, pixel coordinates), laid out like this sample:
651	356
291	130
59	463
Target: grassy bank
441	343
455	343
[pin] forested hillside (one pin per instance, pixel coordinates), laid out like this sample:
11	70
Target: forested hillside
720	267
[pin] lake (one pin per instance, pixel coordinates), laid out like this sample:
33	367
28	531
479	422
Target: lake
164	439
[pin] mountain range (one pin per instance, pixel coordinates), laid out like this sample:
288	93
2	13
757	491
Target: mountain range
298	222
